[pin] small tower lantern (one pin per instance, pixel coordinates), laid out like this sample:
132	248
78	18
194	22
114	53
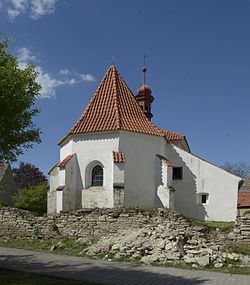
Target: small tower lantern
144	97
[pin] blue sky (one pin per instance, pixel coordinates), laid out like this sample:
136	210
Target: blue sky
198	57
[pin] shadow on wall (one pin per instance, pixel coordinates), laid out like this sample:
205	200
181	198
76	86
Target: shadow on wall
94	270
185	194
79	185
72	192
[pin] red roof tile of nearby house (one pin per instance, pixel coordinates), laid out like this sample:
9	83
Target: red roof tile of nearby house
118	157
65	161
244	199
244	193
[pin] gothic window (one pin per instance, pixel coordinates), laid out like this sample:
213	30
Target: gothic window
97	176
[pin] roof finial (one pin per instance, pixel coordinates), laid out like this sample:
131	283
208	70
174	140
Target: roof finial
144	70
113	60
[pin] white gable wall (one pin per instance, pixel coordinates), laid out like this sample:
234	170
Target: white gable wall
142	167
200	177
66	149
91	148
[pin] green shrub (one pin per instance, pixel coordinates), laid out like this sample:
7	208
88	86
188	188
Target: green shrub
3	204
33	199
247	213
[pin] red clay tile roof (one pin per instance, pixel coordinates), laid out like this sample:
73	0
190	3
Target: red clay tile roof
118	157
65	161
243	199
172	136
113	107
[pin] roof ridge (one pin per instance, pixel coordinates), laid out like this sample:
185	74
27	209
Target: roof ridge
116	96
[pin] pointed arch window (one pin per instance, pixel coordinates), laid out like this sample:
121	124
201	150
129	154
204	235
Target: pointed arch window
97	176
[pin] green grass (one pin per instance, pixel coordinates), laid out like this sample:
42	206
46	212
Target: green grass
11	277
69	246
243	249
225	227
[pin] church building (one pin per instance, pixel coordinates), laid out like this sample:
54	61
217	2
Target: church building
114	156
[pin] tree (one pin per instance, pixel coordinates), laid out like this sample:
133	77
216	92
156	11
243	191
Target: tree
27	176
33	199
241	168
18	91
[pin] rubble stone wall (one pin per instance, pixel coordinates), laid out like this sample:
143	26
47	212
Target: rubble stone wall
85	223
241	232
160	235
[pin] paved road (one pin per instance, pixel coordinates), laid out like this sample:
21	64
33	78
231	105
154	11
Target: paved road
110	272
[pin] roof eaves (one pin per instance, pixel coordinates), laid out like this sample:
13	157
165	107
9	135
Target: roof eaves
118	157
52	168
165	160
63	163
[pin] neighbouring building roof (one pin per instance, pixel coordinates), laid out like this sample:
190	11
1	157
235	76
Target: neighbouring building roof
244	194
3	169
244	199
118	157
245	186
114	107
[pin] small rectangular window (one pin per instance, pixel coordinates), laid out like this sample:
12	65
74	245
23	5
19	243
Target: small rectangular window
177	173
204	199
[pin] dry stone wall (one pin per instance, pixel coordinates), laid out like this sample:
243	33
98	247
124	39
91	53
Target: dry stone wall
85	224
151	236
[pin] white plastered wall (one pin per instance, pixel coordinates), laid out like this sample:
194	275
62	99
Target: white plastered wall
89	148
142	168
200	177
66	149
